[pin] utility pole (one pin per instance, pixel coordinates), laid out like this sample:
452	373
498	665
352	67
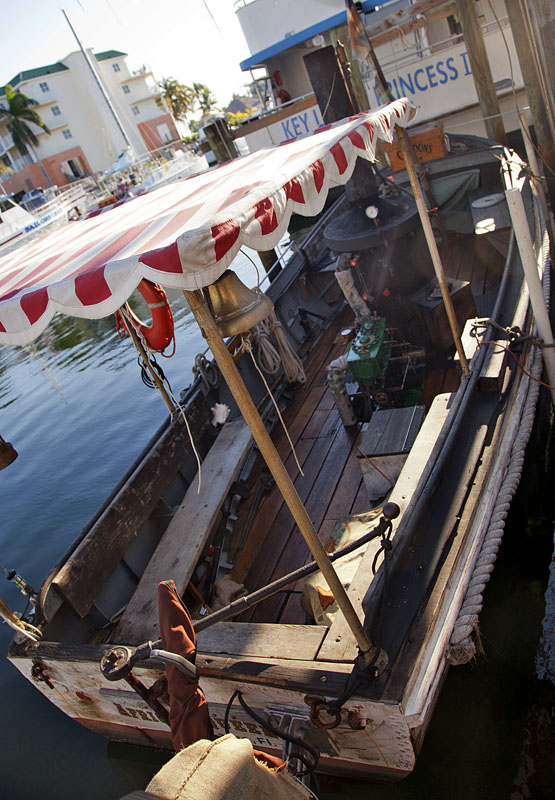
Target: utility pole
481	71
536	80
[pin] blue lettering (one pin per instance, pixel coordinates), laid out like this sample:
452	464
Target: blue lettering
396	93
317	119
420	88
431	75
466	64
286	130
453	70
304	118
296	126
441	71
407	85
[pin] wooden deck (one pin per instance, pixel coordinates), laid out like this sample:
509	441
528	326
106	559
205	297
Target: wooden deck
331	486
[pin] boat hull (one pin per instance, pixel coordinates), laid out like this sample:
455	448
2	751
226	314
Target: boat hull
373	740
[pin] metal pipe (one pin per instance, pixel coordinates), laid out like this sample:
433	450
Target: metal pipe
252	599
243	399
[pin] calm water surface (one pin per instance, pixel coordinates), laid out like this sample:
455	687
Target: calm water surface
74	406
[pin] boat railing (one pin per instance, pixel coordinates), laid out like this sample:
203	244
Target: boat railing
393	59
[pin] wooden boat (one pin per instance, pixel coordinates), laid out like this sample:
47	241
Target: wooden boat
425	464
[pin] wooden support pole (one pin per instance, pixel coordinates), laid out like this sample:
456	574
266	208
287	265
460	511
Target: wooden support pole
481	71
412	165
537	174
434	252
530	266
536	74
245	402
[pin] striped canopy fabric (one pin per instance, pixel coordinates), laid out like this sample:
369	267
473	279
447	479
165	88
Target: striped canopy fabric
185	234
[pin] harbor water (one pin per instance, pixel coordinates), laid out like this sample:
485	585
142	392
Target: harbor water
74	406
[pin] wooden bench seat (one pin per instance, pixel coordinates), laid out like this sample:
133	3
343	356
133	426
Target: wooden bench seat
186	535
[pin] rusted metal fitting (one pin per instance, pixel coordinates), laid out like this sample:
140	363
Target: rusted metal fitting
319	704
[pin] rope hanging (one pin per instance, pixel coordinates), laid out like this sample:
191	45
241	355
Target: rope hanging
462	646
125	312
248	347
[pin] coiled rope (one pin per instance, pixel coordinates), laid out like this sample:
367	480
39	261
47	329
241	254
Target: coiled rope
271	356
462	645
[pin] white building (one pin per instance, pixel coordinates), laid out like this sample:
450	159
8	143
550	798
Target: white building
92	114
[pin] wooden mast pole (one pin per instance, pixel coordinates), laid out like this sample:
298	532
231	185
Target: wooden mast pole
250	413
409	159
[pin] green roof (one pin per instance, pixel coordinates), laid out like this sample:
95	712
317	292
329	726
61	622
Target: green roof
28	74
109	54
39	72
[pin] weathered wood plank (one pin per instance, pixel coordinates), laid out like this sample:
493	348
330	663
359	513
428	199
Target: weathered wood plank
86	571
300	642
339	644
280	527
296	551
176	555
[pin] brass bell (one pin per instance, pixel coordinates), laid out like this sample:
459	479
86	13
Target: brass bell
8	453
234	306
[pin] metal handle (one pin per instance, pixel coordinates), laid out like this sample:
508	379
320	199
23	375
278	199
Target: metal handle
175	660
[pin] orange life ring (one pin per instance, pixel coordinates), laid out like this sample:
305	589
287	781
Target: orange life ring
160	333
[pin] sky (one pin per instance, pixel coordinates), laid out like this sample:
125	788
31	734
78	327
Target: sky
189	40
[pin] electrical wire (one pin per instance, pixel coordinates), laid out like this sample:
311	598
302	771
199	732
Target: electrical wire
274	731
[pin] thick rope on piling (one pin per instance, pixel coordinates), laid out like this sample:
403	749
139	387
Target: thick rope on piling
462	645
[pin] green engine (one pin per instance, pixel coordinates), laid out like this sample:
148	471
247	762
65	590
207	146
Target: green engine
370	352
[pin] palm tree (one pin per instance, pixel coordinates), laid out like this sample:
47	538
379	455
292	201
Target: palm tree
16	117
204	97
179	98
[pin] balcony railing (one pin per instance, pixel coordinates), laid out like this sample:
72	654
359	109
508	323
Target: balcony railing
6	142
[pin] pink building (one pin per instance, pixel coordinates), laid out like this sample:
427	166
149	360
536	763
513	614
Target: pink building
92	114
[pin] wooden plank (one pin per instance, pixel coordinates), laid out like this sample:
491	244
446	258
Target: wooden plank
86	571
493	369
250	558
300	642
339	644
289	110
296	551
186	535
281	526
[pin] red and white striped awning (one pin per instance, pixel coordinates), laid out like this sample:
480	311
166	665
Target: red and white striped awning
186	233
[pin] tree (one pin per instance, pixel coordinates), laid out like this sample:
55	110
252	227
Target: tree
204	97
179	98
17	116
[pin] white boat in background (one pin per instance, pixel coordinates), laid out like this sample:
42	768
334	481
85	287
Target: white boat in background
420	49
17	223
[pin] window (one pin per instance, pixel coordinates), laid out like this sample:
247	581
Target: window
136	110
116	67
126	89
44	86
56	111
164	132
67	133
